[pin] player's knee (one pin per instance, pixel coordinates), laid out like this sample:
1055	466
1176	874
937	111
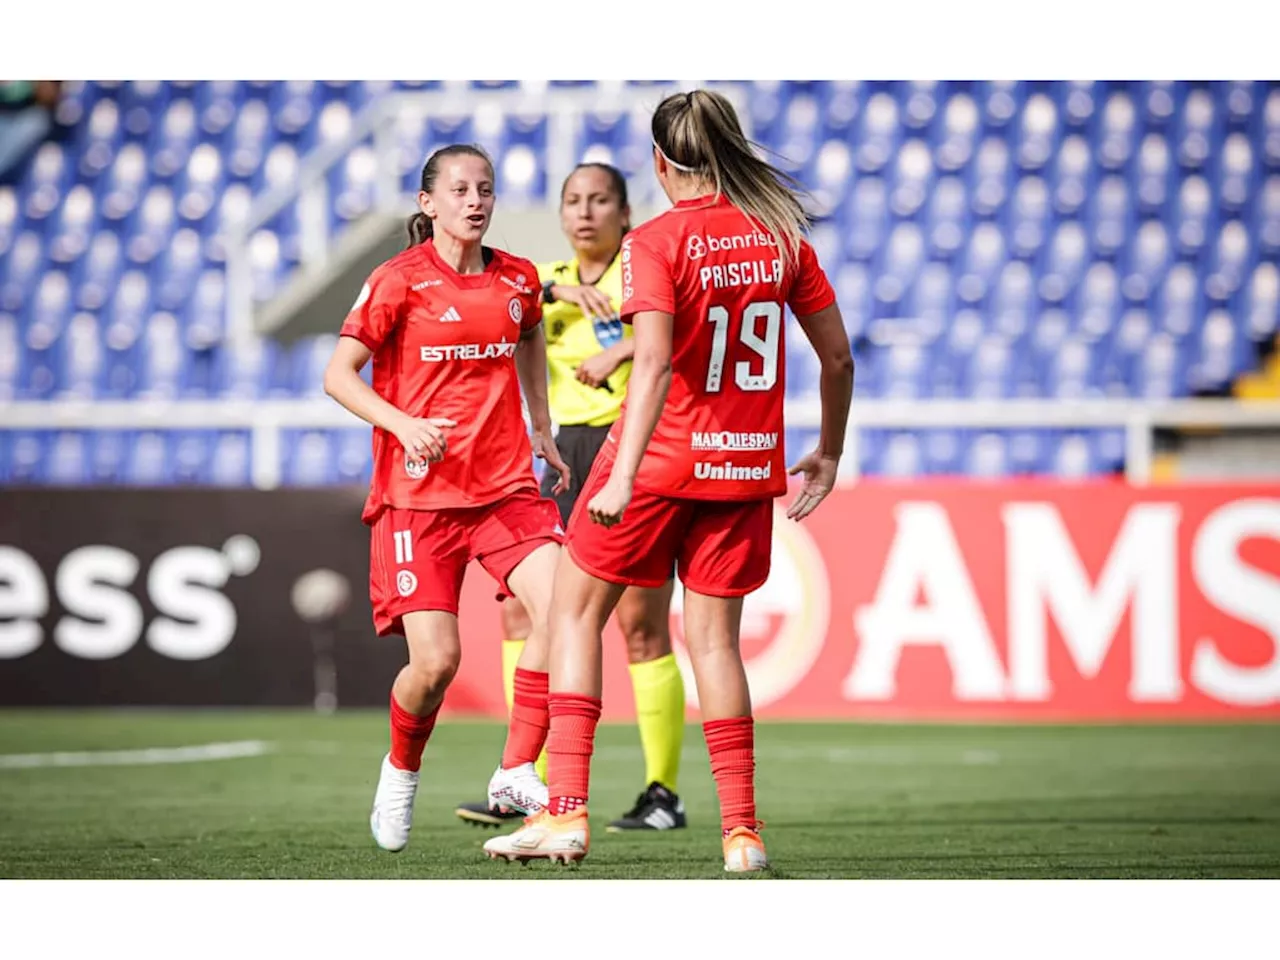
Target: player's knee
645	640
434	670
516	623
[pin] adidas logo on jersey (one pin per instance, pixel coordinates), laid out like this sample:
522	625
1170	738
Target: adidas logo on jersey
451	316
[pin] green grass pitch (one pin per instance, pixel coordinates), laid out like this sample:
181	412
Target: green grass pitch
840	800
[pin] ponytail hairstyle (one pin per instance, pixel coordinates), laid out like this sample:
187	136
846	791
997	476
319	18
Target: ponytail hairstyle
698	133
419	225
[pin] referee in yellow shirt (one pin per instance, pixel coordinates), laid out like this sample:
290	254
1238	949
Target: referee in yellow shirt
589	353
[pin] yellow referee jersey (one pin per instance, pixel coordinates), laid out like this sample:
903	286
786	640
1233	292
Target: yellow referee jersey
572	338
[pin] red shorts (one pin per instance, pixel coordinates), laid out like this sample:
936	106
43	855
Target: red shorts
418	557
720	548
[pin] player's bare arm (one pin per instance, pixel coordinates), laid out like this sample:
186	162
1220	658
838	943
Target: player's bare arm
646	394
596	369
826	332
421	437
590	300
531	368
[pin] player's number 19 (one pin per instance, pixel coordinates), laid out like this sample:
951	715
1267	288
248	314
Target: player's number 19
765	345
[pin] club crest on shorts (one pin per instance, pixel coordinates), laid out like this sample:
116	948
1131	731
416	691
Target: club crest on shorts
406	582
416	469
515	310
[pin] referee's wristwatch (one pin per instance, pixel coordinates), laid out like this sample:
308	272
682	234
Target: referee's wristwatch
547	295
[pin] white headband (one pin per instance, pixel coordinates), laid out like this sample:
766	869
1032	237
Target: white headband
678	166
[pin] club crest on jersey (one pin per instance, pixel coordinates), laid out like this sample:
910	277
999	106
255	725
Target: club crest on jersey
515	310
406	582
416	469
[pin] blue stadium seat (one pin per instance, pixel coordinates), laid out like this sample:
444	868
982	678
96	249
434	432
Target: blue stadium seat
99	271
1195	127
107	458
1037	133
877	133
126	182
1028	217
354	455
216	103
99	139
1271	130
1262	302
24	459
989	186
1153	174
151	225
1228	262
47	182
1077	103
20	271
10	218
10	356
247	139
1071	179
231	460
1146	260
955	139
293	104
866	217
987	457
142	105
147	460
1267	219
1119	123
174	139
308	458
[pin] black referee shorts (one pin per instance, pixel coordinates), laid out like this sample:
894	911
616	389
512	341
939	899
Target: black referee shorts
579	445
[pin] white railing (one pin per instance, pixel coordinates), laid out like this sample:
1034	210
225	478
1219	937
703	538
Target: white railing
266	419
377	124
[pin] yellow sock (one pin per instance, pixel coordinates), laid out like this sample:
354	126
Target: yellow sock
511	650
659	690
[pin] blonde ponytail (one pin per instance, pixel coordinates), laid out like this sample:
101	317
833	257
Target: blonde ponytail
699	133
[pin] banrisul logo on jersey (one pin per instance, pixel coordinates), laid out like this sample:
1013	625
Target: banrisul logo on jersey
784	623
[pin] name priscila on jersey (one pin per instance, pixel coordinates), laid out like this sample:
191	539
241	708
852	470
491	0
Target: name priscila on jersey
740	274
728	440
467	351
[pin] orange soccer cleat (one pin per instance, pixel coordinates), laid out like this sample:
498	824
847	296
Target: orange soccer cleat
564	838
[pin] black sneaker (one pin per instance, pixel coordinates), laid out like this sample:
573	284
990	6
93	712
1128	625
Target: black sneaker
483	815
656	809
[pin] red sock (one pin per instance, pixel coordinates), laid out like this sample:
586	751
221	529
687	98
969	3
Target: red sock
409	735
569	745
731	744
529	722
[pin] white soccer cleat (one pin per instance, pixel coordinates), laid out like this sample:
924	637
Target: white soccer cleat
565	839
519	788
392	815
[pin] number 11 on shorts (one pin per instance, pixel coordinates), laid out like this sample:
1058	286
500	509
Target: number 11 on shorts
404	546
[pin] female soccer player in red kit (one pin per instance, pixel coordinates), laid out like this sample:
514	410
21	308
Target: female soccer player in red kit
453	328
689	475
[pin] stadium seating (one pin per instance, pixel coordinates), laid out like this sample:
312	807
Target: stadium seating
995	240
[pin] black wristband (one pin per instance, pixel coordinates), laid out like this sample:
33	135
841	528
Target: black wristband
547	296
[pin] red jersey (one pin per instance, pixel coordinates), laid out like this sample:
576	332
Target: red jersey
716	271
444	345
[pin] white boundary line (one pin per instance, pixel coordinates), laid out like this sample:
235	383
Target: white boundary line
232	750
